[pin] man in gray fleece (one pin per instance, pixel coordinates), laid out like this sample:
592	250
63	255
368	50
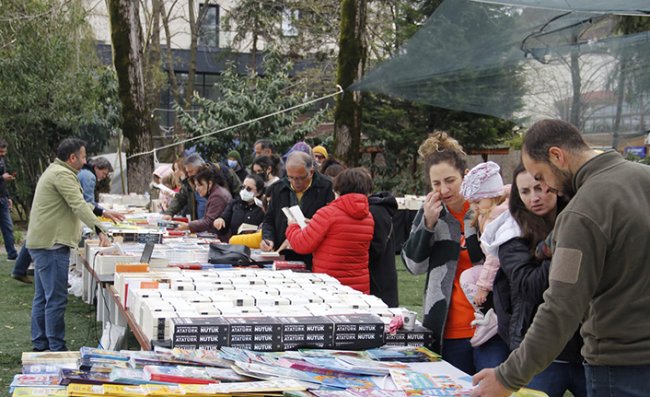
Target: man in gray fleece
600	272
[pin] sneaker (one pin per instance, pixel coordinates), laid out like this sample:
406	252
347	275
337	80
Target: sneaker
22	279
12	258
486	328
37	350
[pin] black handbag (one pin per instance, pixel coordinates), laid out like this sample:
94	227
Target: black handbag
230	254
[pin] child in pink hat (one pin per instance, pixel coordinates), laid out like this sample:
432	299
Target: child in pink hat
483	188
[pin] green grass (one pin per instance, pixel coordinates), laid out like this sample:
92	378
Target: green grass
15	306
410	287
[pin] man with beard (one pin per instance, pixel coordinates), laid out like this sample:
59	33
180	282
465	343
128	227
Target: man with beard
54	228
600	270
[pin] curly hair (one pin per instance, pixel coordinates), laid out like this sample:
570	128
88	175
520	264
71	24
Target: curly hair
439	147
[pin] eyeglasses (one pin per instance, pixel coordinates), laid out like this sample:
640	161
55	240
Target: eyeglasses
298	178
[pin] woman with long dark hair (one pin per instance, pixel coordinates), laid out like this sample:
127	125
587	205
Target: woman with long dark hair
523	278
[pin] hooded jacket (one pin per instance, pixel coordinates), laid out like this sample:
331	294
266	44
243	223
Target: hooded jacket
339	237
281	195
383	275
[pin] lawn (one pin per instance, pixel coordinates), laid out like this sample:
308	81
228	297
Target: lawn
81	328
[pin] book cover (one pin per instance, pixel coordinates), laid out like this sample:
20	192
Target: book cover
35	380
68	376
50	391
294	214
84	390
172	374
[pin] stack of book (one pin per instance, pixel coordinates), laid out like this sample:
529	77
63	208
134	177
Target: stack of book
352	331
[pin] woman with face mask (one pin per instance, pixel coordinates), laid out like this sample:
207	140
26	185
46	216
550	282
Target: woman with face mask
268	168
235	163
247	208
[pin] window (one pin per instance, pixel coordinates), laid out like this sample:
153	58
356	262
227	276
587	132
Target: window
289	18
209	32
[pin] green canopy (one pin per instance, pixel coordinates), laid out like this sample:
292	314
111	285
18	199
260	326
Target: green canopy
525	60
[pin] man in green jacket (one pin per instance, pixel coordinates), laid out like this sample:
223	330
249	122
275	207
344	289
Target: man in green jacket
600	271
54	227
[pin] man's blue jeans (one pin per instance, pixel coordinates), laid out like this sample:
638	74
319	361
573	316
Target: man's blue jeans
22	262
7	227
559	377
461	354
624	380
50	298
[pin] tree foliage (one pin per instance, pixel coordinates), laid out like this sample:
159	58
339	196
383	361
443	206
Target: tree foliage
52	87
249	97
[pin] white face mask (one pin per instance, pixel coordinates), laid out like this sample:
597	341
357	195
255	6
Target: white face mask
246	195
259	203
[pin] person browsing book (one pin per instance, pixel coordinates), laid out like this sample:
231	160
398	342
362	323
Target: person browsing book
248	208
301	186
339	234
209	183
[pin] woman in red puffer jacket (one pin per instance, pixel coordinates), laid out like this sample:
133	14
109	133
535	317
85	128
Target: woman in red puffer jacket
339	234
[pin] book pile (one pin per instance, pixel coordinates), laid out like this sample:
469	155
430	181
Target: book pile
237	372
351	331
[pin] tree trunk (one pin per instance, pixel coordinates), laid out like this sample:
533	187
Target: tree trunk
575	116
195	28
351	59
126	35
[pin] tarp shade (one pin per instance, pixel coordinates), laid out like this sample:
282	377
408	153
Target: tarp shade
523	64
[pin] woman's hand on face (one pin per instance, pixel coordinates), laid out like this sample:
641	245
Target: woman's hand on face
432	208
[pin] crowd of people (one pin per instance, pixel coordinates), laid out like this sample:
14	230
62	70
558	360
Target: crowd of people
525	281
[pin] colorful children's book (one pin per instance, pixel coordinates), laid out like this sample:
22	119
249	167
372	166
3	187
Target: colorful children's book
35	380
172	374
94	353
403	354
76	376
52	391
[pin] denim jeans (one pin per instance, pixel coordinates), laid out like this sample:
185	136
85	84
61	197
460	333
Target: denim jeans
22	262
461	354
50	298
560	377
7	227
624	380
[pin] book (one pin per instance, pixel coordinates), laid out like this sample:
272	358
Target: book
50	391
294	214
50	357
173	374
247	228
75	376
94	353
35	380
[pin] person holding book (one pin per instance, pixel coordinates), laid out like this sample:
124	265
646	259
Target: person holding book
246	209
339	234
302	186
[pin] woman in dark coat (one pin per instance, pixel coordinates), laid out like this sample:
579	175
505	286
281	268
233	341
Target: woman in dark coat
246	208
523	278
383	275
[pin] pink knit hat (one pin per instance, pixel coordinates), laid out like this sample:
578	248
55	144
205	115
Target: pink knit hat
482	181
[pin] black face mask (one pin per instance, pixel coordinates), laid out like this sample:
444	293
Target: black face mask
263	176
